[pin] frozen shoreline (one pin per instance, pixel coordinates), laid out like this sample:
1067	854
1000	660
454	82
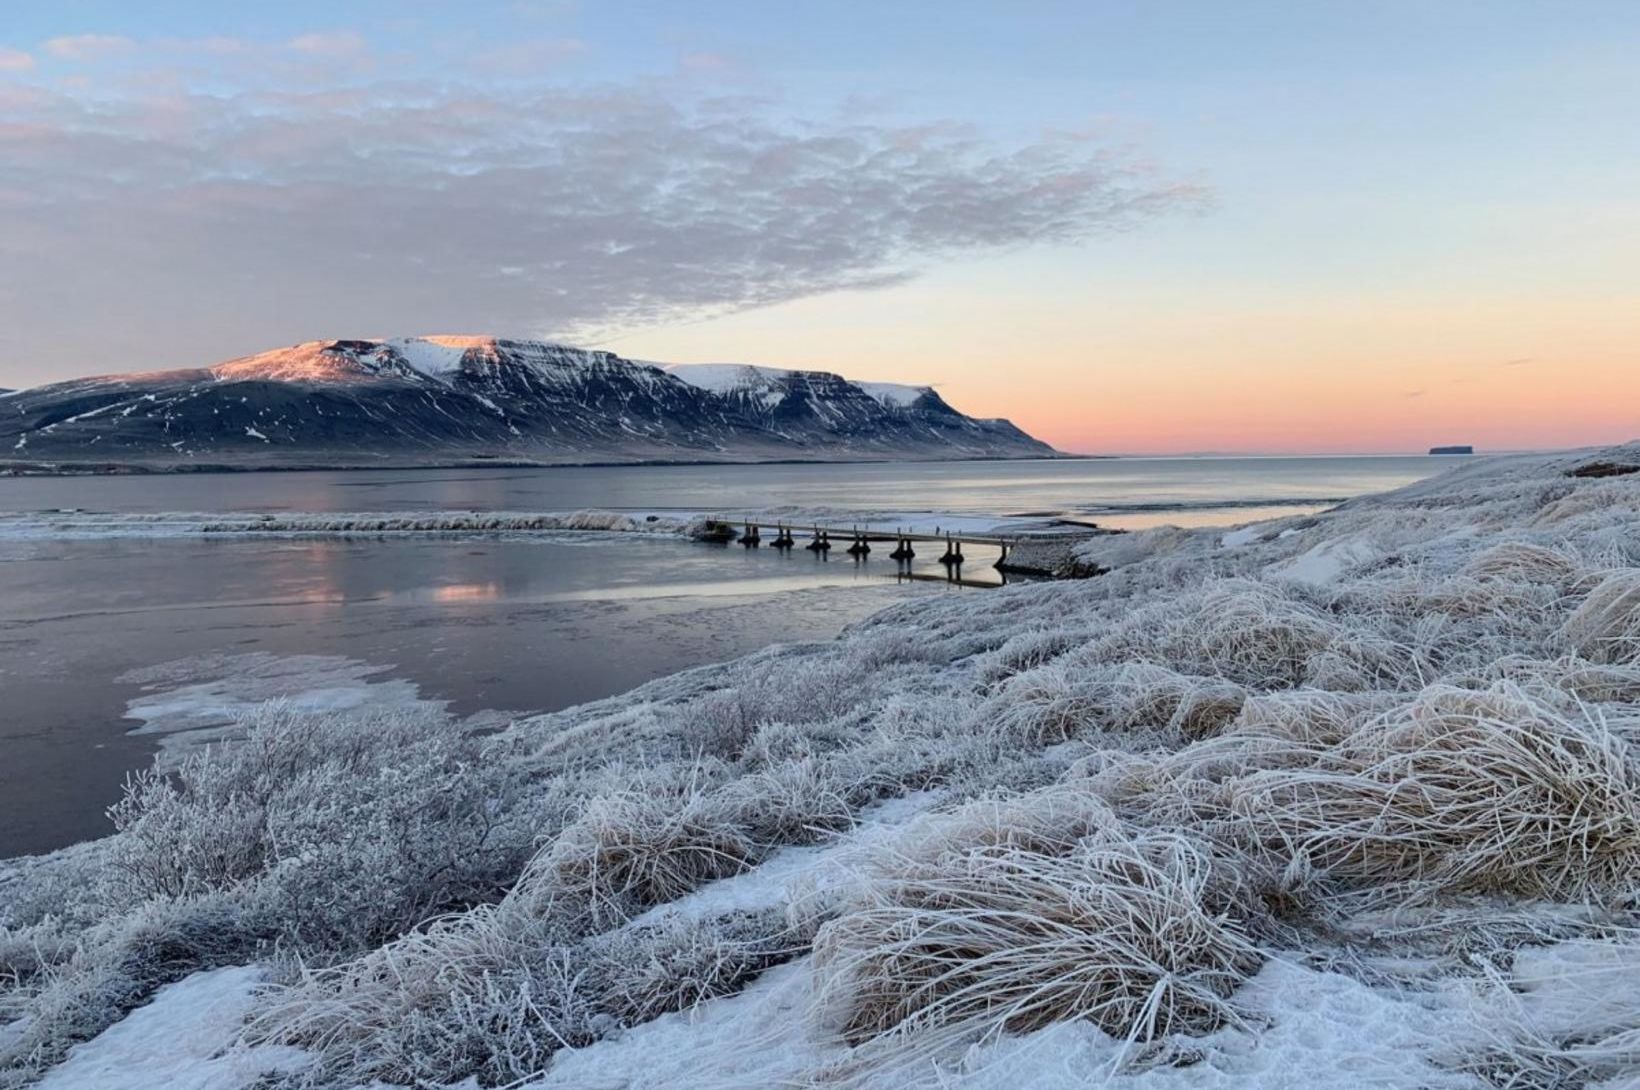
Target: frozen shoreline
1228	712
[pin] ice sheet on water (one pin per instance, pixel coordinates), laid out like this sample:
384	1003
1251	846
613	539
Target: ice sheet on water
194	701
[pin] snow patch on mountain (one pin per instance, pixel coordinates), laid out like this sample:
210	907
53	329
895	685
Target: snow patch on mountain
436	357
766	384
895	395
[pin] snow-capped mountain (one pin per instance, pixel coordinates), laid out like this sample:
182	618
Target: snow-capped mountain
455	400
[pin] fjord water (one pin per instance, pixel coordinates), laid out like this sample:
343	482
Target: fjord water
173	635
1116	491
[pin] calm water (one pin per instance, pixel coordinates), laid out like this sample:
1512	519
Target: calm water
110	646
1110	490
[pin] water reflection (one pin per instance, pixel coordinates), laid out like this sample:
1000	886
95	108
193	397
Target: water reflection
468	592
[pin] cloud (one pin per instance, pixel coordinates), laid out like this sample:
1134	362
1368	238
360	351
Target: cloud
531	57
88	47
1520	362
15	60
336	45
705	62
192	225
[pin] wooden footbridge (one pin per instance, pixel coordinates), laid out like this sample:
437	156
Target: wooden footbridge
856	541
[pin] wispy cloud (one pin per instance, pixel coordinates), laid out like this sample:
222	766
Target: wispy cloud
272	214
334	45
15	60
531	58
88	47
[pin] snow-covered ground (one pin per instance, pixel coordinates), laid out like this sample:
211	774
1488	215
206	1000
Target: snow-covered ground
1347	799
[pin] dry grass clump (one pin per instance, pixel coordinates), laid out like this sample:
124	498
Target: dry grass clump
1462	791
1524	562
629	851
1122	931
1049	821
1067	700
796	802
1594	683
1030	650
1605	628
1255	635
1317	717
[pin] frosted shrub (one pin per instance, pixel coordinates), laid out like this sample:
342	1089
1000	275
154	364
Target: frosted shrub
117	967
351	830
642	973
491	995
315	834
463	999
1122	931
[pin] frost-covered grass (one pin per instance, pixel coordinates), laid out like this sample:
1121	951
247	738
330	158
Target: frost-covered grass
1197	820
1010	933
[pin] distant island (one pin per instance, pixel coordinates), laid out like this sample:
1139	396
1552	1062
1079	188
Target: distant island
1461	448
459	401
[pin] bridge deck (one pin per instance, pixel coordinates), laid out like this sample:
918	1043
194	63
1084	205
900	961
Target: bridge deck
870	533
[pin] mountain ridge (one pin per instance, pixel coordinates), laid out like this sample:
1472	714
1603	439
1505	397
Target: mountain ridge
460	400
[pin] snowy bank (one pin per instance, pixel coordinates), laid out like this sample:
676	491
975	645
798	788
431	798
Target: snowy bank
97	524
1343	799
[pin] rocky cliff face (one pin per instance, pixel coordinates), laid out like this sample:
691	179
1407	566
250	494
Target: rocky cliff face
455	400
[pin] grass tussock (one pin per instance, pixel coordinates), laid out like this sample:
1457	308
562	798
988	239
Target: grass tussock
1461	791
628	851
1605	628
1123	931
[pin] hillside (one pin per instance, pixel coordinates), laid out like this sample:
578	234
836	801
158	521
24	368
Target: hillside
468	400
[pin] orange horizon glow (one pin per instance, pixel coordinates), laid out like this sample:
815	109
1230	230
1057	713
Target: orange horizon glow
1138	373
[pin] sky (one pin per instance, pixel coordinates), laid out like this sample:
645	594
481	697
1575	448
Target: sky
1144	227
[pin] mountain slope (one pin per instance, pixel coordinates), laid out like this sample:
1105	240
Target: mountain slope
455	400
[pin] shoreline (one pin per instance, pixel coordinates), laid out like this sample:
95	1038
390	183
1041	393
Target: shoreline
18	468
